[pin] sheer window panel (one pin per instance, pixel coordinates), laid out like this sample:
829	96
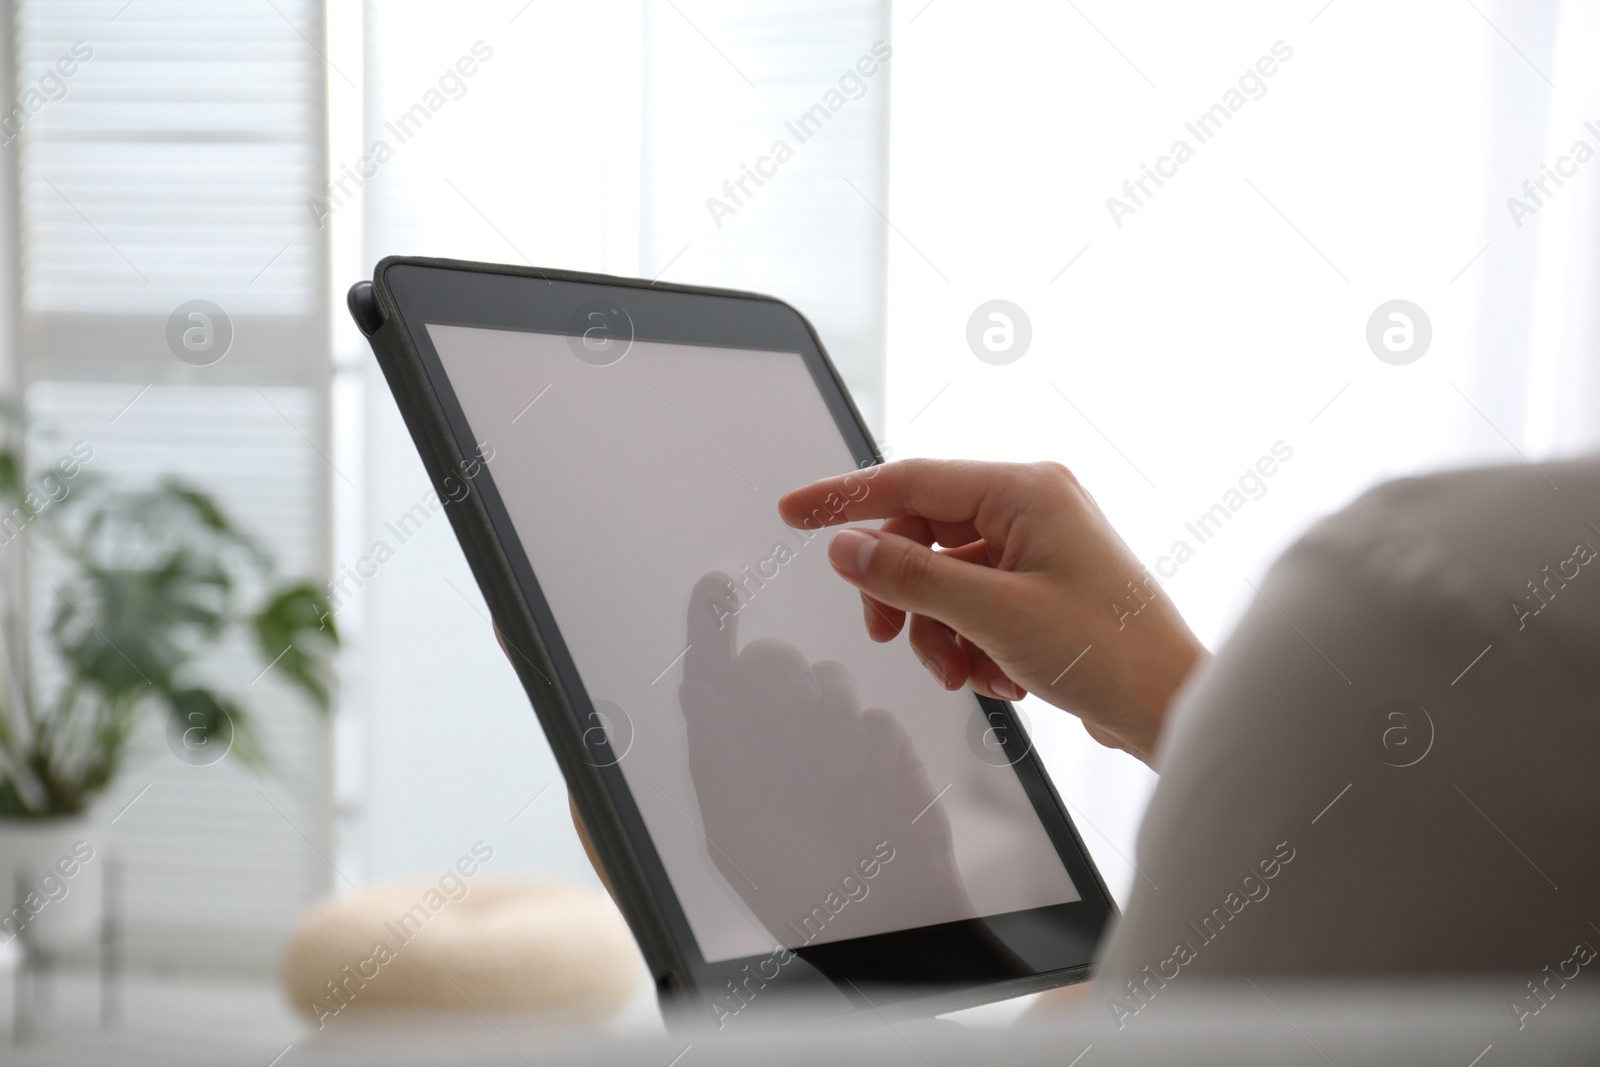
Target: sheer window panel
1227	311
553	157
766	162
171	160
1563	397
532	158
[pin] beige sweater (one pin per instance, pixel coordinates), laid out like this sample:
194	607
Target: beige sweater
1393	765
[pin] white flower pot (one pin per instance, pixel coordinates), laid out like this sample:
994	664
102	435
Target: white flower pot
52	883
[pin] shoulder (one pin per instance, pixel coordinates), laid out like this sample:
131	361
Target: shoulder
1285	743
1465	522
1469	553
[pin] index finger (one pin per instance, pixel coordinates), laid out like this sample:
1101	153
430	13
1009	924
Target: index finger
941	490
713	632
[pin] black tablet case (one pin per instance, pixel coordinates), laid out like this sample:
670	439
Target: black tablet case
374	309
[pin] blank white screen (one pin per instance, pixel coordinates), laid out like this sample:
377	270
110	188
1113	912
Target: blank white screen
627	485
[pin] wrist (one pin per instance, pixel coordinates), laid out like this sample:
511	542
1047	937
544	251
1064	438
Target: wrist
1151	695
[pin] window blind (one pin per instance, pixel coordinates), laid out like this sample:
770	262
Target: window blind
167	153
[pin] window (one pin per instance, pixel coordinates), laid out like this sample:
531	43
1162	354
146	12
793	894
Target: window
167	155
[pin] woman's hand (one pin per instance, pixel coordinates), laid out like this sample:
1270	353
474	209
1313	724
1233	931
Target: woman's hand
1029	589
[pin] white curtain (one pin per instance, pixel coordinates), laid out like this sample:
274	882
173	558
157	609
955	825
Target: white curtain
1227	312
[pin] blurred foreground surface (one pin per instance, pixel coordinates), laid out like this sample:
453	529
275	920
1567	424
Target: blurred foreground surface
1484	1023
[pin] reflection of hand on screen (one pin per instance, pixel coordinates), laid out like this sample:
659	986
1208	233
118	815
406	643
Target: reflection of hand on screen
803	794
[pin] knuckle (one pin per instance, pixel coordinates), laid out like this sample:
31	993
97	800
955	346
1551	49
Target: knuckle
1049	472
913	572
1056	482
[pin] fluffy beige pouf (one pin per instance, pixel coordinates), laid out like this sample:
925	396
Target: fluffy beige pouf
531	948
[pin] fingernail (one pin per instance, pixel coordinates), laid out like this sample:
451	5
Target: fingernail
851	551
1007	689
866	614
937	671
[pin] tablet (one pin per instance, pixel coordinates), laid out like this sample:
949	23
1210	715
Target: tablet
785	811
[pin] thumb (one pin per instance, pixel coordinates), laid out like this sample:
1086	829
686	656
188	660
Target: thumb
912	577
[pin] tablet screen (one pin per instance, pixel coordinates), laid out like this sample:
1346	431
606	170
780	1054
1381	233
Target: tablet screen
801	784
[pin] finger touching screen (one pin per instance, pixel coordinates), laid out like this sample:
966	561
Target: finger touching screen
802	784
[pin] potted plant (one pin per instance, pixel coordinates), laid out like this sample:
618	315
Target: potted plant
143	584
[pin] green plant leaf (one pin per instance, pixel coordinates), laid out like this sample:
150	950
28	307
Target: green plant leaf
10	476
295	630
122	628
154	581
